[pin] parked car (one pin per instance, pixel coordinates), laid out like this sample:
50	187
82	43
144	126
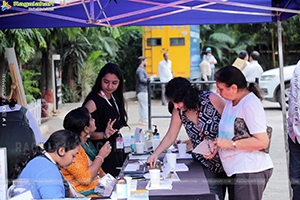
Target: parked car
270	84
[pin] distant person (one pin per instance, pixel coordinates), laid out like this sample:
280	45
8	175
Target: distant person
244	56
86	171
253	71
205	71
141	90
165	75
41	166
212	60
294	132
106	103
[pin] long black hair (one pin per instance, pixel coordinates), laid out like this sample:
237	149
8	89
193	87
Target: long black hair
180	90
11	102
111	68
231	75
77	119
58	139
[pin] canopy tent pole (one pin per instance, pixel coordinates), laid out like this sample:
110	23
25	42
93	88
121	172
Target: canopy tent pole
283	105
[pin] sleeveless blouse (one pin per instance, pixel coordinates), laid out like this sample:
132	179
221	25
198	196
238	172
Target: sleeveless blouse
208	119
102	114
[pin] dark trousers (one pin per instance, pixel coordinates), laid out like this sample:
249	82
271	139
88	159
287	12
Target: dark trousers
294	168
249	186
216	182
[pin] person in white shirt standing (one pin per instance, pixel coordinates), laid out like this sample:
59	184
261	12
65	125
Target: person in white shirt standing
212	61
294	132
165	74
253	71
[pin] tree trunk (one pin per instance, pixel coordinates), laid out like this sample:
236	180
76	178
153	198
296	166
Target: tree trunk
70	76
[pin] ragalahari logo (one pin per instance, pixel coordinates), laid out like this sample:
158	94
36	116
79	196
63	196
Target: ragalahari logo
5	6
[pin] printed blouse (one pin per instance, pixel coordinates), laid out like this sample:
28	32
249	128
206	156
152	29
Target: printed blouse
208	119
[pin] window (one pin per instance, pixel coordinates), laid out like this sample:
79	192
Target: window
153	41
177	41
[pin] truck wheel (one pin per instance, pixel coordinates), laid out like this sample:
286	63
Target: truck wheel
286	95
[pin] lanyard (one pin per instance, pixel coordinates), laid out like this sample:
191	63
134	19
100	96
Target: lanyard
199	125
110	103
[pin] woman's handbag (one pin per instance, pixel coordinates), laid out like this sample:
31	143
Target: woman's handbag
241	131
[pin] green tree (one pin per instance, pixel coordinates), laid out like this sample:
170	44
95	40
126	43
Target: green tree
24	41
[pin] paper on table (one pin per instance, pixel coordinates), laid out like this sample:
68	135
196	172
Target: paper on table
132	167
163	185
138	157
181	167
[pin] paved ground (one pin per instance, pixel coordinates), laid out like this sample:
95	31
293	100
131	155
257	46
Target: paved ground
277	187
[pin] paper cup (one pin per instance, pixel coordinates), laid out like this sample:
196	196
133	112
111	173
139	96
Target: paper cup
139	147
171	159
155	143
128	180
154	177
182	149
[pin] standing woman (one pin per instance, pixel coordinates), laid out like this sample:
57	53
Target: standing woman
41	167
200	113
241	159
106	104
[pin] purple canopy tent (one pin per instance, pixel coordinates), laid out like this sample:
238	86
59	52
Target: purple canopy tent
92	13
70	13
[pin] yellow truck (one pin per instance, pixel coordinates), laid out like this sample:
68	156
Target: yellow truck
182	43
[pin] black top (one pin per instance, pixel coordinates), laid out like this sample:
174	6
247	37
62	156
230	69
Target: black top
102	114
208	119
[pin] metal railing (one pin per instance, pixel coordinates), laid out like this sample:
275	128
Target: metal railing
149	83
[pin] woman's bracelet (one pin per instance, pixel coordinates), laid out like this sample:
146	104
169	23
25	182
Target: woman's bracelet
100	158
104	135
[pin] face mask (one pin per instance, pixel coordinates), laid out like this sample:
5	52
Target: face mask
208	57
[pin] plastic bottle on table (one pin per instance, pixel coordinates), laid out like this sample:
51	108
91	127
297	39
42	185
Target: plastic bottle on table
121	188
155	139
119	143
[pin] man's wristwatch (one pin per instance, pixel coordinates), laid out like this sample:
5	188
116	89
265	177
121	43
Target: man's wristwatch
234	144
104	135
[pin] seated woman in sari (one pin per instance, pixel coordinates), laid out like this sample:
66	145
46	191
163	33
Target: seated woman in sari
85	172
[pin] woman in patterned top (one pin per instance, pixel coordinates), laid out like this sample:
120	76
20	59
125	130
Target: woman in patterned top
85	172
200	113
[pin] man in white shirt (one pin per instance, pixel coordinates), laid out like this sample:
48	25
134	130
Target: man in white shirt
294	132
212	61
253	71
165	75
205	71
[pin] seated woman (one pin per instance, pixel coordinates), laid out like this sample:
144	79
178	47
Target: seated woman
85	172
41	167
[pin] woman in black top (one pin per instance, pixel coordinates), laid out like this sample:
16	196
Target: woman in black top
106	104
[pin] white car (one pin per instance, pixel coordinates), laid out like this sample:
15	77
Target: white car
270	84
